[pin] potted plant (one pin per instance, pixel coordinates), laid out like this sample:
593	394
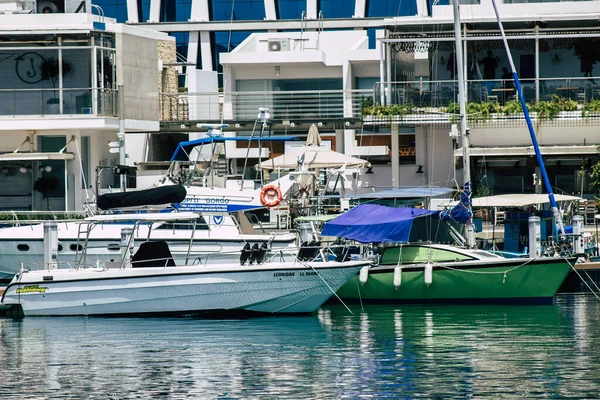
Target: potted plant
46	184
49	71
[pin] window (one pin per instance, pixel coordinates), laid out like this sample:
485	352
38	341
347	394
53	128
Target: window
290	9
224	42
53	169
390	8
371	33
143	10
185	225
85	161
418	254
236	10
175	10
336	8
181	47
113	9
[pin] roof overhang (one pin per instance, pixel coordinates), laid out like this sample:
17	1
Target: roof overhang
519	200
36	156
528	151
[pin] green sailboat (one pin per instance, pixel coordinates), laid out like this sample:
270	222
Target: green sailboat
443	273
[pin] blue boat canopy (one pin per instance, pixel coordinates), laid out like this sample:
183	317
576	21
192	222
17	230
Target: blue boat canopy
183	149
373	223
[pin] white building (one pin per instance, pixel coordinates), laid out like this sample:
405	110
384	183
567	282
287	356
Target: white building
59	107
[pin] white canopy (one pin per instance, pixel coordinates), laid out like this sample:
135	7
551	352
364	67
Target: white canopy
312	157
518	200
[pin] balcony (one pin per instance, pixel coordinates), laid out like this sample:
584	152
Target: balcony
309	105
47	102
421	103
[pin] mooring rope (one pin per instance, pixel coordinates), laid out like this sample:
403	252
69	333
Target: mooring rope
362	307
327	284
583	280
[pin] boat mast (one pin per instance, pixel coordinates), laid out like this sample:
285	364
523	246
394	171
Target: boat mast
470	239
538	154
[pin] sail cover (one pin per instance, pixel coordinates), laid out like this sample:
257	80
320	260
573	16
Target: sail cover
373	223
463	211
148	197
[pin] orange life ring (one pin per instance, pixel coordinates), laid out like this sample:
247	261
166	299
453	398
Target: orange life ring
270	196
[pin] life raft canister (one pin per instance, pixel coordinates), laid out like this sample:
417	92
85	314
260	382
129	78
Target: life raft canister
270	196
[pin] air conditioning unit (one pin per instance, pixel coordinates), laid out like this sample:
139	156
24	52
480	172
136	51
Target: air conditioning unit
279	44
50	6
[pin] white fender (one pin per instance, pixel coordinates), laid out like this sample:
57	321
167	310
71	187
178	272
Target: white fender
428	274
363	275
397	277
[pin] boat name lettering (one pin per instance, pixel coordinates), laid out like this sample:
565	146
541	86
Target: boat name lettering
48	278
308	273
278	274
207	201
220	201
32	289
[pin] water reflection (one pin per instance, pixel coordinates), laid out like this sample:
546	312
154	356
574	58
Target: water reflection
382	351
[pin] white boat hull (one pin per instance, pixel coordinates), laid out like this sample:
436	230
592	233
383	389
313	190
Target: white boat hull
268	288
24	245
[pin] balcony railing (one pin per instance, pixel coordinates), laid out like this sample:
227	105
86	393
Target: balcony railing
46	102
428	99
291	106
428	94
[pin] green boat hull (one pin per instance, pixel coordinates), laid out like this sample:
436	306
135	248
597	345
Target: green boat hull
518	280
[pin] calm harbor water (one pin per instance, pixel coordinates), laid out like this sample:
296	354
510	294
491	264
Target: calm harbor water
391	351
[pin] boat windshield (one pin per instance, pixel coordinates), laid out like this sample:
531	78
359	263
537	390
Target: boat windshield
185	225
485	254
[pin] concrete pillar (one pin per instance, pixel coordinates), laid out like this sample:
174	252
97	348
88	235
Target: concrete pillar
311	9
270	10
154	11
132	11
339	141
395	158
199	11
359	8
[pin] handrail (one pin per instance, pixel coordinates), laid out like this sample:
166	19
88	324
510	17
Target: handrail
100	11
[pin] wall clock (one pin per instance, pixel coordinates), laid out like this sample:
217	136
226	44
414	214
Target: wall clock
28	67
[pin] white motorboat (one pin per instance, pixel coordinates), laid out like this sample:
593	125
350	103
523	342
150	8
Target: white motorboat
150	281
217	233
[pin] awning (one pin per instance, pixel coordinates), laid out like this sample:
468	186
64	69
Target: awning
317	218
372	223
55	156
184	148
402	193
519	200
312	157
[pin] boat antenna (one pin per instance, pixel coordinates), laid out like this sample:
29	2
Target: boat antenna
470	242
538	154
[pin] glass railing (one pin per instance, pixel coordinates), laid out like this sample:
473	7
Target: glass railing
434	94
75	101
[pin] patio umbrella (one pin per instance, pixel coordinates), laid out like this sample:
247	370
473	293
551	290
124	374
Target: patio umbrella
312	156
313	138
